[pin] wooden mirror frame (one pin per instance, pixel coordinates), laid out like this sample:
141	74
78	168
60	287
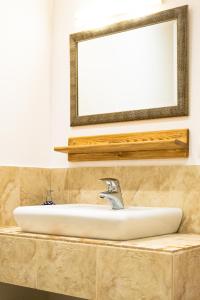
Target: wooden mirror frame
181	109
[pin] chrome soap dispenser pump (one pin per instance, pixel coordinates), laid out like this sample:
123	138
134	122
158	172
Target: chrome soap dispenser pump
49	200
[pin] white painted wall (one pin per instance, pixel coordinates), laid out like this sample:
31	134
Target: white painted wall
34	114
25	50
76	15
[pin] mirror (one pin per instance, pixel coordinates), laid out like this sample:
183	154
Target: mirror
131	70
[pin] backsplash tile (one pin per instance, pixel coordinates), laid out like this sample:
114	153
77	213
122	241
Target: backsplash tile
34	183
59	185
21	186
172	186
9	194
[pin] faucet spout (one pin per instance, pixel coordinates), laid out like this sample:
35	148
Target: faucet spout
113	194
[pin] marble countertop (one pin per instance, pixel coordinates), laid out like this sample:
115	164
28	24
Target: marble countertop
167	243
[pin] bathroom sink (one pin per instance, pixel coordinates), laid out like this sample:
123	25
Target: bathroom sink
98	221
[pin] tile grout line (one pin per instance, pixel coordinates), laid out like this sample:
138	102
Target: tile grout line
36	275
96	278
172	292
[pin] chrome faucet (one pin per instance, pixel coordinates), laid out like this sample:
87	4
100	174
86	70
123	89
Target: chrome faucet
113	194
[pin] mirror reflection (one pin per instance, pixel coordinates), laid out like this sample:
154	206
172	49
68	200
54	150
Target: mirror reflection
135	69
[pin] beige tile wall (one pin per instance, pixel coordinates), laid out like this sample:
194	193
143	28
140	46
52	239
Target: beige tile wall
175	186
67	268
125	274
18	261
186	265
9	194
34	183
21	186
58	267
98	272
172	186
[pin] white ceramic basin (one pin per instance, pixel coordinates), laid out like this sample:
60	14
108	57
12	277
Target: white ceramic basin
98	221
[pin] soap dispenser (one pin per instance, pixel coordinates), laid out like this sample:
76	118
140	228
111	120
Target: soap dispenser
49	200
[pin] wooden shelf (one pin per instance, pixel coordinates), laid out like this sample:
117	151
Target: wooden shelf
140	145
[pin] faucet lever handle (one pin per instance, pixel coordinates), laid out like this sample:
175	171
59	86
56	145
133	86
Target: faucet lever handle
112	184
